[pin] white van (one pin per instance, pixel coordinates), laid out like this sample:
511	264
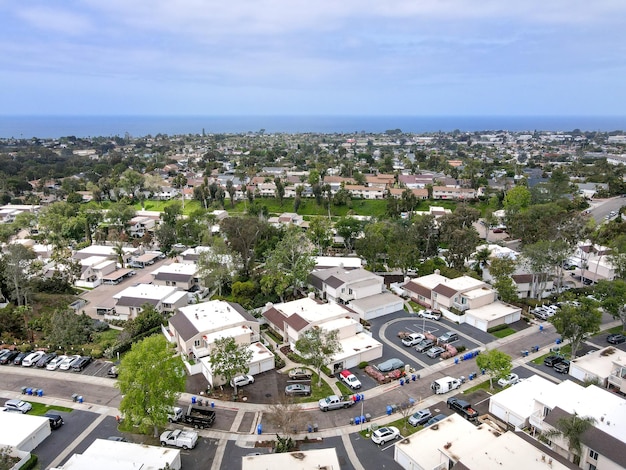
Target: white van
32	359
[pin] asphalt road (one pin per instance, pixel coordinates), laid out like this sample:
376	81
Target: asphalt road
600	208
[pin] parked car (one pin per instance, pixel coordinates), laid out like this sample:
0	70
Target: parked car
20	357
69	362
45	359
424	345
412	339
510	379
429	314
435	419
18	406
448	337
615	338
553	360
298	390
56	420
9	357
385	434
113	372
390	364
83	362
420	417
32	359
241	380
300	374
435	352
562	367
117	439
56	362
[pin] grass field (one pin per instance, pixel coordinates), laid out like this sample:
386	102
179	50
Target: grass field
308	207
39	409
484	386
503	333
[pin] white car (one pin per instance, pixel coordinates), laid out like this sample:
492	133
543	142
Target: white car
429	314
385	434
32	359
69	362
241	380
510	379
412	339
55	363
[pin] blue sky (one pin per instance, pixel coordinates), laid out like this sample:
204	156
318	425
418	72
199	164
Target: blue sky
322	57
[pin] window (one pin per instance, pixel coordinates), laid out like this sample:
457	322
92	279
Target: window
196	343
592	467
593	454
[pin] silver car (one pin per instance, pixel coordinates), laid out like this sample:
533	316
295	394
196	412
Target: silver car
17	406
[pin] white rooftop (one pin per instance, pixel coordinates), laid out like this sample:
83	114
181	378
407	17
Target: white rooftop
303	460
15	428
102	250
498	251
492	311
463	283
607	408
520	398
147	291
356	344
212	315
600	362
349	262
313	311
103	454
177	268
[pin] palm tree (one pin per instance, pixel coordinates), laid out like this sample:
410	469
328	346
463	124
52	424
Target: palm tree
481	259
571	428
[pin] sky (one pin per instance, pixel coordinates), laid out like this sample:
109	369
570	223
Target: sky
320	57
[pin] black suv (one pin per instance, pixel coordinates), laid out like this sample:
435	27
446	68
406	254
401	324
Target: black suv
615	338
562	367
56	421
424	345
81	363
551	361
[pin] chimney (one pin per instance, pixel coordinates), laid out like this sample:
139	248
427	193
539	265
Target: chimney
437	271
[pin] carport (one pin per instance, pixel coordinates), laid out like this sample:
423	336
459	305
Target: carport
116	276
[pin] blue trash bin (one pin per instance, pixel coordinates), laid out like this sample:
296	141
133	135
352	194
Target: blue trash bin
559	341
389	410
212	404
357	420
362	396
413	378
401	381
29	391
80	399
193	400
40	393
540	327
456	360
309	427
259	429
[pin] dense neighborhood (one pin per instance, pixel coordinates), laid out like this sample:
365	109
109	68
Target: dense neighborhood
246	284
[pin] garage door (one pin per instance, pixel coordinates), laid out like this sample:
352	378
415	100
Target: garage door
498	411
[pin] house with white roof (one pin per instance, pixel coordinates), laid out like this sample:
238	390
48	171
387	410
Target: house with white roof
181	275
604	444
602	366
456	443
463	299
195	328
104	454
361	290
292	319
130	301
314	459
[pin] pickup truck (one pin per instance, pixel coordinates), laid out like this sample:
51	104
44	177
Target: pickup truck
334	402
463	408
199	417
178	438
350	379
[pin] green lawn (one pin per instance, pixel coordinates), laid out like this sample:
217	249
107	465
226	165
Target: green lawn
483	386
565	351
39	409
345	390
503	333
402	424
317	392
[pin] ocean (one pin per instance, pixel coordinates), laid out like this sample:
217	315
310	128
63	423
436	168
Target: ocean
139	126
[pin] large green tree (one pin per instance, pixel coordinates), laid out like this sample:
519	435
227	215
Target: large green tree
612	296
18	267
574	321
317	347
150	379
229	359
495	363
68	330
218	265
348	228
289	264
501	270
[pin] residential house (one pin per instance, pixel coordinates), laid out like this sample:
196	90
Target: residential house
313	459
363	291
181	275
130	301
165	193
419	193
195	328
138	226
602	367
415	181
453	193
463	299
292	319
604	444
452	443
365	192
286	219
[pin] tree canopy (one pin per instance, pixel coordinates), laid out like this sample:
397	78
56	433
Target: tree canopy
229	359
496	364
317	347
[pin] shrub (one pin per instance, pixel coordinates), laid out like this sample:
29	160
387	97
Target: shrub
504	326
279	362
461	348
327	371
362	365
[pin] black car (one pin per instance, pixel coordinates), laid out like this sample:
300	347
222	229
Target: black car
56	421
20	357
43	362
83	362
551	361
562	367
616	338
9	357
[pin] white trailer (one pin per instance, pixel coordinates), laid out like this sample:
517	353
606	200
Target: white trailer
445	385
